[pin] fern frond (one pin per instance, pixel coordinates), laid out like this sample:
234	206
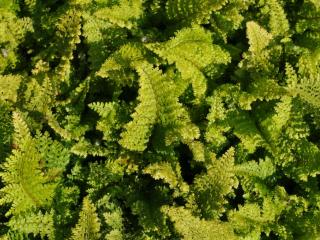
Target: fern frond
274	125
114	219
104	109
118	65
308	160
99	34
158	104
307	27
211	188
26	186
83	148
66	39
14	235
40	90
262	170
307	84
12	33
111	119
229	18
247	131
88	226
34	223
192	11
258	57
191	50
55	125
258	37
198	150
308	89
169	174
125	14
9	84
146	112
278	22
266	89
151	219
55	155
251	219
191	227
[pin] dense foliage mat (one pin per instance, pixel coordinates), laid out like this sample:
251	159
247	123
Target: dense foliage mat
160	119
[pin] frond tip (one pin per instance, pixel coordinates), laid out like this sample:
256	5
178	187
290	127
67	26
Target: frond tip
258	37
88	226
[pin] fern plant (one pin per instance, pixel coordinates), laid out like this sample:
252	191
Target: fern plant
159	119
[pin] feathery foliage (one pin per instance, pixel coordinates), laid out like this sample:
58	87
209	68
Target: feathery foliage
160	119
88	226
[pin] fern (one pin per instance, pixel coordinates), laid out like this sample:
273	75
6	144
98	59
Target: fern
88	226
116	67
278	22
247	131
262	170
9	85
146	112
55	155
196	228
153	88
261	217
110	121
124	14
306	26
35	223
114	219
84	148
170	119
26	186
273	126
12	32
196	11
307	87
258	55
258	37
229	18
191	50
169	174
211	188
13	235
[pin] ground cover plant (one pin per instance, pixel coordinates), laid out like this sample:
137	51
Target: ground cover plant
160	119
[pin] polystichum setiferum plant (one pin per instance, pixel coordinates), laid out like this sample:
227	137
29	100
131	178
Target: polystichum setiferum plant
160	119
